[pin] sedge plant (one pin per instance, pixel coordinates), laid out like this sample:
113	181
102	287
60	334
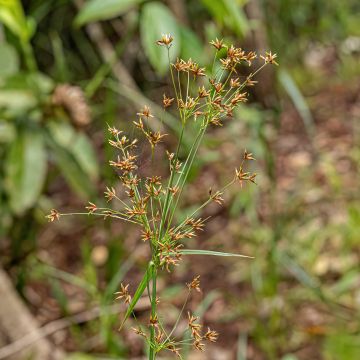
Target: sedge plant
151	202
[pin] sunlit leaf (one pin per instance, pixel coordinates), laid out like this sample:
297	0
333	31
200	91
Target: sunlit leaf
238	18
78	144
13	17
228	13
9	61
16	100
95	10
156	19
25	170
72	171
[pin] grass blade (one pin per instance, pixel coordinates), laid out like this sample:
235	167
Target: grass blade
212	253
139	291
298	99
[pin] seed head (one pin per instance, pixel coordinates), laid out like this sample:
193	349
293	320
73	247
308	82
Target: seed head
54	215
167	101
248	156
180	65
235	83
123	294
166	39
138	331
194	284
113	131
146	235
91	208
199	345
217	197
196	70
211	335
269	58
217	44
110	194
170	346
154	321
145	112
203	93
250	82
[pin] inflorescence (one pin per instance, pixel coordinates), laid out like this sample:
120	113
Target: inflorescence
151	202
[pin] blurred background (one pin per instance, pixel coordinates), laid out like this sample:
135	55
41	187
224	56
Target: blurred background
69	68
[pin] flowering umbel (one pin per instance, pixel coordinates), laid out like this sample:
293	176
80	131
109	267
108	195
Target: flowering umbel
151	203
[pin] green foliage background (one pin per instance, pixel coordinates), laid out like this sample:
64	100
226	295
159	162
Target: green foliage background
47	159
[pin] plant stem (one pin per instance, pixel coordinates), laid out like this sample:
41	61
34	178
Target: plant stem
29	56
152	353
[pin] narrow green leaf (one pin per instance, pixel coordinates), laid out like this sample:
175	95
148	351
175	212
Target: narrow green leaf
212	253
156	19
298	99
95	10
25	170
297	271
139	291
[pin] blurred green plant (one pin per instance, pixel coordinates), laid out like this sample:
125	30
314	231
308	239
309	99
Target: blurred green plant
38	126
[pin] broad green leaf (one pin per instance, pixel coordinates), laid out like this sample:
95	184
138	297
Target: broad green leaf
19	92
84	153
229	13
9	61
17	100
156	19
191	46
239	21
216	8
25	170
95	10
139	291
70	168
212	253
78	144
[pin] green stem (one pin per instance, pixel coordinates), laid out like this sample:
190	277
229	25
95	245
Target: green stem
29	56
172	175
152	353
